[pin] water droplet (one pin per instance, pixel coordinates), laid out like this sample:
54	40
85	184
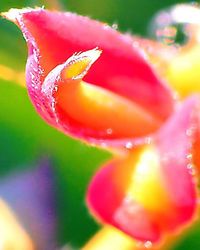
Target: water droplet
103	144
190	131
35	56
109	131
167	34
129	145
32	76
148	140
189	156
191	169
173	25
115	26
148	244
136	44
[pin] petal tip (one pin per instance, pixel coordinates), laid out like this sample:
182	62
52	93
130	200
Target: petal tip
14	13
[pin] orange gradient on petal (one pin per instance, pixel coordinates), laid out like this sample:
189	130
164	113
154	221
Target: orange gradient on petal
77	69
140	178
104	111
79	64
147	186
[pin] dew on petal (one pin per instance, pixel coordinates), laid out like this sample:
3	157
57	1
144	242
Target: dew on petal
174	25
189	156
190	131
148	244
145	245
103	145
109	131
191	169
148	140
115	26
129	145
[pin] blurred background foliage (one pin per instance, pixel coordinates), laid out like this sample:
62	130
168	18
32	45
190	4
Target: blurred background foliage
25	138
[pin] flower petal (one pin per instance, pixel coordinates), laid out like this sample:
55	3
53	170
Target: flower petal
11	231
109	236
69	96
183	72
181	67
54	37
153	191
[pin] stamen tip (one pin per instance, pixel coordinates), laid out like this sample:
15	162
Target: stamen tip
78	65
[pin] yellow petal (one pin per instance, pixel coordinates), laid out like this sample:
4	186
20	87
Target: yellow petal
12	235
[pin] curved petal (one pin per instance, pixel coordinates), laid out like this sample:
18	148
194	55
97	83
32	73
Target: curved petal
153	191
53	37
183	72
91	110
181	67
159	54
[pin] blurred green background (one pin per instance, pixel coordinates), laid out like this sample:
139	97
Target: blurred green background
24	137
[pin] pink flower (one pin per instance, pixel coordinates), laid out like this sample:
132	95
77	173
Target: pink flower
109	102
152	192
97	85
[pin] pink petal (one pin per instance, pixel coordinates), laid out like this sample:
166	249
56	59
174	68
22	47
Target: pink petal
172	204
53	37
